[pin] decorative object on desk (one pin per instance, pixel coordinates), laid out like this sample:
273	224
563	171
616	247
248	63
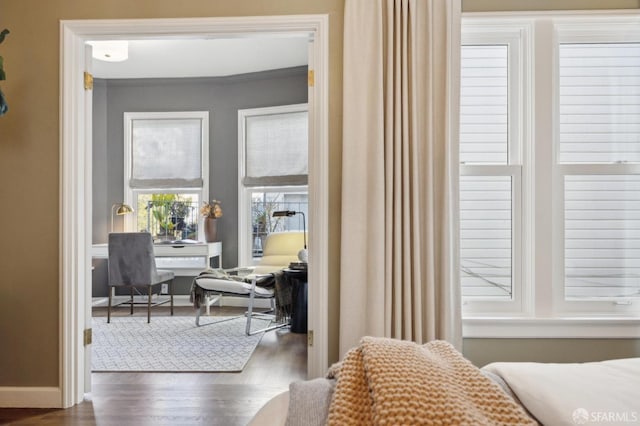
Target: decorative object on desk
210	229
211	211
120	209
171	344
3	102
302	254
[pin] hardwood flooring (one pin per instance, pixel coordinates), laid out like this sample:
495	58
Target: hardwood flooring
181	398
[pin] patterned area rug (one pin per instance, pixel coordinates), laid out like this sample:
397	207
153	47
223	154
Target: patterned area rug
172	344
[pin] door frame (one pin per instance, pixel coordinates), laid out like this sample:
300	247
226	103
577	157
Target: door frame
76	173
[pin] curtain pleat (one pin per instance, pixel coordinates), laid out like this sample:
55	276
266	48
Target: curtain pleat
399	214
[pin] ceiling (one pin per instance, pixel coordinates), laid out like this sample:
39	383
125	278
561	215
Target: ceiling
205	57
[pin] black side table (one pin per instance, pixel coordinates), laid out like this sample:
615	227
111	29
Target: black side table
299	291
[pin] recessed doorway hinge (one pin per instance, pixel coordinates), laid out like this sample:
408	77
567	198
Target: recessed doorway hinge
311	78
310	337
88	81
87	336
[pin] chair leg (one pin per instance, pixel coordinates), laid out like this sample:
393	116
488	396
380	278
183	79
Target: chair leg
149	305
131	304
250	314
198	312
109	306
171	293
250	310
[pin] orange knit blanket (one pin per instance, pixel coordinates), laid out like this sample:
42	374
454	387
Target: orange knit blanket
394	382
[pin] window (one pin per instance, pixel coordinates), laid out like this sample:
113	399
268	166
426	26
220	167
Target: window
597	166
166	172
273	156
491	169
550	172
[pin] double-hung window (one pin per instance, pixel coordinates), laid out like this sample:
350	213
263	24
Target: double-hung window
166	172
550	173
274	168
491	168
597	179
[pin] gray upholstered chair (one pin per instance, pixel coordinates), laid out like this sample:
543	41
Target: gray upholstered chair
280	249
132	265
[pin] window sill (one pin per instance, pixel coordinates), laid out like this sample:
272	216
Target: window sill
556	328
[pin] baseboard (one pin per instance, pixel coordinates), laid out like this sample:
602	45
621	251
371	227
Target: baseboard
30	397
183	300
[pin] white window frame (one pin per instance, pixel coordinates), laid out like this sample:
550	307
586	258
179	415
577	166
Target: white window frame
516	35
245	242
131	194
545	314
584	30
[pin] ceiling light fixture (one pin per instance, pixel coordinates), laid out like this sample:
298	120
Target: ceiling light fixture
110	50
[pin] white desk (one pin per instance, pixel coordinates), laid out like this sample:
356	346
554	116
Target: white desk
184	260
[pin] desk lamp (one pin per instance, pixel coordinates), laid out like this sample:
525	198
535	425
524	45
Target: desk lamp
302	254
122	209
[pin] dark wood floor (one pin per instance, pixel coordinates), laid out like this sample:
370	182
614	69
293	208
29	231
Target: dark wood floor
182	398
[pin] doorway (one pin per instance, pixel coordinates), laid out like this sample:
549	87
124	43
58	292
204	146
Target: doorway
76	172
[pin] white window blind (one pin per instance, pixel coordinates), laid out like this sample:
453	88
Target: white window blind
484	104
276	149
486	236
166	153
602	236
599	102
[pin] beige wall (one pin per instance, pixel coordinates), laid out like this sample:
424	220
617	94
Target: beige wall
29	169
484	351
29	161
520	5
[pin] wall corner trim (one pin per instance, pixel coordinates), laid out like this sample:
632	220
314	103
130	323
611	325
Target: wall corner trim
30	397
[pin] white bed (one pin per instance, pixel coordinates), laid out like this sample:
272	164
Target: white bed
606	392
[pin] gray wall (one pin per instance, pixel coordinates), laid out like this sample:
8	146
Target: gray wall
222	97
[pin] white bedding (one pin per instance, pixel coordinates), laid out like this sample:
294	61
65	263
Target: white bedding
606	392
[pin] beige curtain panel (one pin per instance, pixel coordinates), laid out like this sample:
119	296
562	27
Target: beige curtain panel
399	266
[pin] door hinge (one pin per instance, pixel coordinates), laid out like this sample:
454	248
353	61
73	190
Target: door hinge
87	336
310	338
88	81
311	78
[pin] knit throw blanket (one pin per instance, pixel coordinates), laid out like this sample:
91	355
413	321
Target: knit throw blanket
393	382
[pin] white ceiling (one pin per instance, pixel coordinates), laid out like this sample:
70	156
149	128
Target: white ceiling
205	57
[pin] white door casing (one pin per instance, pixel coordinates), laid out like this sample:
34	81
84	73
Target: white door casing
75	173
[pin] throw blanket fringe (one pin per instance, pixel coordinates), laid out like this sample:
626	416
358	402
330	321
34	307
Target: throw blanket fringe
392	382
